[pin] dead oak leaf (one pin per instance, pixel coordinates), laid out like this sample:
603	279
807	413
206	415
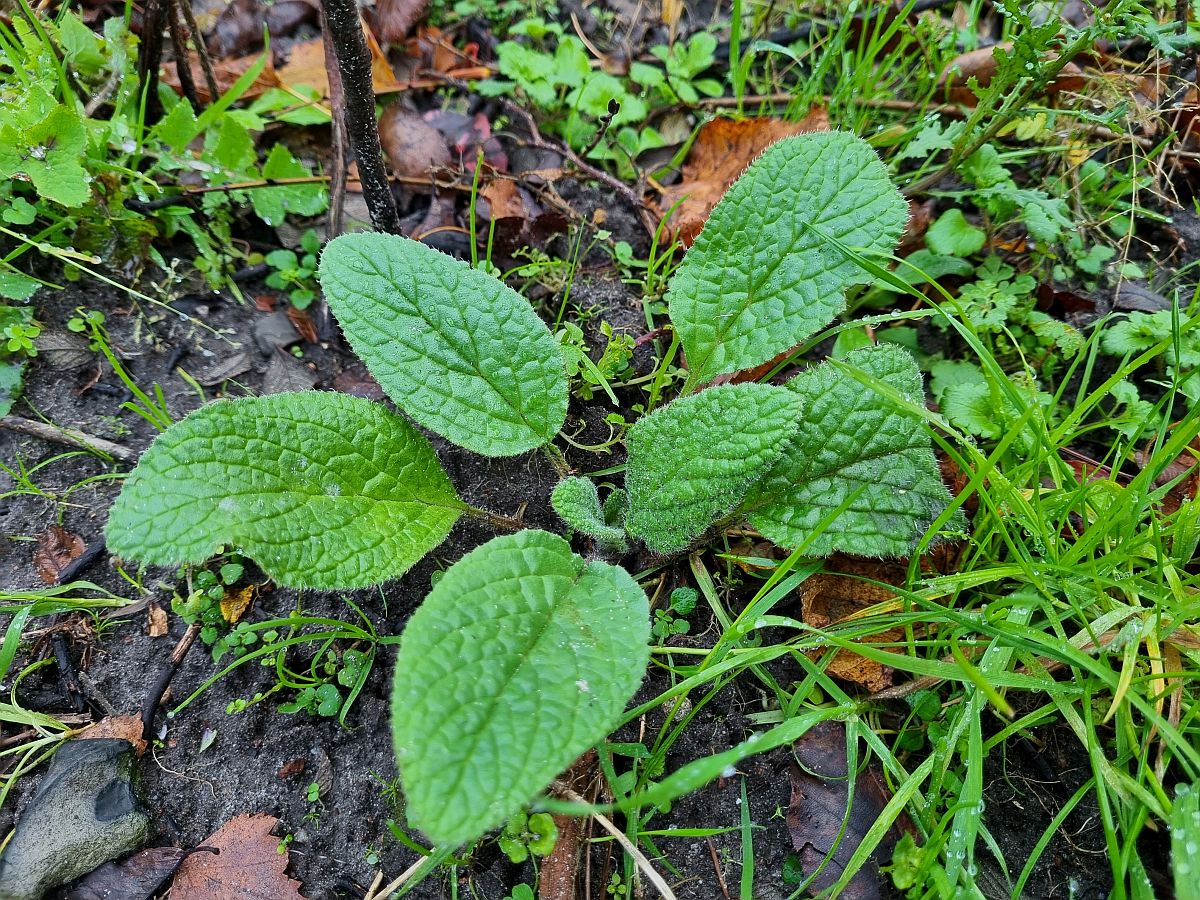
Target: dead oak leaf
56	548
127	728
721	152
248	865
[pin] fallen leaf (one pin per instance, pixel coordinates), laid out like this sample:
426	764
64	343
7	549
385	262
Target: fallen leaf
127	728
395	18
722	150
226	72
291	768
412	146
306	67
56	548
1186	464
820	790
840	593
247	865
156	617
233	606
137	878
981	65
559	870
303	323
520	220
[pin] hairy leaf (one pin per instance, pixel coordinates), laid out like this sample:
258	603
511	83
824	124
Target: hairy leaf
853	442
578	504
458	350
322	490
759	279
521	658
693	460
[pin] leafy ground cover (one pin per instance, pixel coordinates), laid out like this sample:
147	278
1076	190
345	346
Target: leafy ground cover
583	616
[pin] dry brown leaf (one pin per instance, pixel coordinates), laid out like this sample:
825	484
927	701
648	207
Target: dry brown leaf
248	865
412	146
56	548
137	877
395	18
156	618
981	65
303	323
720	153
128	728
306	66
233	606
817	809
833	596
227	72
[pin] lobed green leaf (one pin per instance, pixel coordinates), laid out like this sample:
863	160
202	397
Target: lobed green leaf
760	277
856	446
521	658
322	490
693	460
458	350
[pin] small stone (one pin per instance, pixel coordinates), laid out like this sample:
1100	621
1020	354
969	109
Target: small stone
83	814
274	331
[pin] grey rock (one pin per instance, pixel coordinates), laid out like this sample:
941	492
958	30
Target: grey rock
83	814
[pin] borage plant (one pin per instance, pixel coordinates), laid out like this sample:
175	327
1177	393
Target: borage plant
522	634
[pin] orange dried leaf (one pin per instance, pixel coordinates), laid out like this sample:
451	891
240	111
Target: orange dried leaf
306	67
721	152
156	618
248	865
127	728
233	606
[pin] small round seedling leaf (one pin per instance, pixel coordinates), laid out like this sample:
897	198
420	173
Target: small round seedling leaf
521	658
458	350
853	443
322	490
761	277
693	460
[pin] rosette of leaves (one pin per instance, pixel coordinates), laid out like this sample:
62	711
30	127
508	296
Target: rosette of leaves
524	654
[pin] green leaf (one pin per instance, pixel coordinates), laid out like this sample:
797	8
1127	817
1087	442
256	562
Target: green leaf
953	235
49	154
855	444
272	204
693	460
458	350
11	371
521	658
15	286
758	279
578	504
320	489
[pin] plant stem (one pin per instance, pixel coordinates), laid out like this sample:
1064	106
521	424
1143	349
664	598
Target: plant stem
345	36
497	520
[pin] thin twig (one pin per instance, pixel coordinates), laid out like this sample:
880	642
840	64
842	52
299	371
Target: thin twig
68	436
337	103
345	36
154	697
206	66
648	870
398	883
182	67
